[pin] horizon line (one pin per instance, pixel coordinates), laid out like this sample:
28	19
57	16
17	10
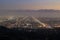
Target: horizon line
29	9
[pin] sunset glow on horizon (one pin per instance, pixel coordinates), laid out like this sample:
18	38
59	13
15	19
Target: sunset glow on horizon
30	4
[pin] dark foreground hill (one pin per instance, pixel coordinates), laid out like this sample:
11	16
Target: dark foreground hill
29	34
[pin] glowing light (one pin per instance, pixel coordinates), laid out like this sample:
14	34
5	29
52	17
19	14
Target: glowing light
39	21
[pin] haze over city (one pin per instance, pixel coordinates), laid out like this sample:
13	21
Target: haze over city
29	5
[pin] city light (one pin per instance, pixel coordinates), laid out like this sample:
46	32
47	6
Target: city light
27	22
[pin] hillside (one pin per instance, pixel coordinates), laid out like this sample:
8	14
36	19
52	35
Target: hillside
29	34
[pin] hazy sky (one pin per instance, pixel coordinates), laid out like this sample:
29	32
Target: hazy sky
30	4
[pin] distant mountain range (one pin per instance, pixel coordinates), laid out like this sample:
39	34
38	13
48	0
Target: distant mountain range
41	13
42	10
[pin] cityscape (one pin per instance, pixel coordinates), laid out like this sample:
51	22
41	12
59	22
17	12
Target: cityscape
29	19
29	22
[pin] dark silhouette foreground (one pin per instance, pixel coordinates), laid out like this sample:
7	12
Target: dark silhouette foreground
29	34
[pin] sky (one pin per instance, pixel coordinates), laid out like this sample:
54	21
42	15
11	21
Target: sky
30	4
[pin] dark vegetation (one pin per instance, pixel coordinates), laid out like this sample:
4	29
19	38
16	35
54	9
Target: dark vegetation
29	34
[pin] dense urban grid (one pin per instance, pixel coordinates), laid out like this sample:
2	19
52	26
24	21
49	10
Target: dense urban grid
29	22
